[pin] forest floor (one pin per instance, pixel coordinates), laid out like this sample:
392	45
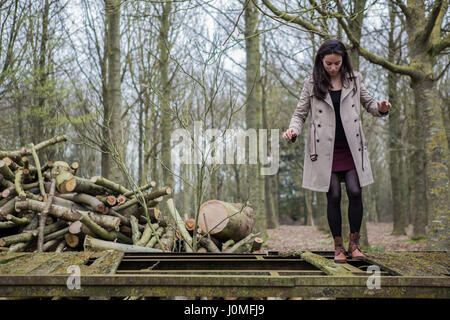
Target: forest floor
301	237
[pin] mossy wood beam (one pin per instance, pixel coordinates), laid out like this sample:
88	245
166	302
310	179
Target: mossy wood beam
219	285
324	264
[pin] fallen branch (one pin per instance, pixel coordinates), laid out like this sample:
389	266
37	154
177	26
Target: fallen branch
96	245
105	221
180	225
114	187
44	215
241	245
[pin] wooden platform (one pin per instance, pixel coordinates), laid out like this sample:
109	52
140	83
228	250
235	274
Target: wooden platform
276	274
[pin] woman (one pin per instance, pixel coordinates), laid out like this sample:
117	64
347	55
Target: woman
336	150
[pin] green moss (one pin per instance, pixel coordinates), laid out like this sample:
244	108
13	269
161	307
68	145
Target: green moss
373	249
411	263
418	239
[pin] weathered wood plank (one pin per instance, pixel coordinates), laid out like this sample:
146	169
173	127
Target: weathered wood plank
414	263
107	263
326	265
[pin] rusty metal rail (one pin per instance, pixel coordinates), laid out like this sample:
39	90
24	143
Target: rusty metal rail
115	274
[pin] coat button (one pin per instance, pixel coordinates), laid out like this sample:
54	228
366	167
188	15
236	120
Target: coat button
317	140
319	125
357	134
359	149
353	105
320	111
356	120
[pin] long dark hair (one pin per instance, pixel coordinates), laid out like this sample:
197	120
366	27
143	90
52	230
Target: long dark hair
322	81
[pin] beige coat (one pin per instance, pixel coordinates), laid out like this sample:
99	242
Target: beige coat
319	147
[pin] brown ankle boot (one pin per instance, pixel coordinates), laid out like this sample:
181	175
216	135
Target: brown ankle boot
339	251
353	247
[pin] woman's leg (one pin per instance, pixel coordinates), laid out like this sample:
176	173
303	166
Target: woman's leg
334	206
355	212
355	206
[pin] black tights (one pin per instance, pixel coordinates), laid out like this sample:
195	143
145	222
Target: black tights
355	207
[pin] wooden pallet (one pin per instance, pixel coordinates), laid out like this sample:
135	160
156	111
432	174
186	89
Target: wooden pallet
276	274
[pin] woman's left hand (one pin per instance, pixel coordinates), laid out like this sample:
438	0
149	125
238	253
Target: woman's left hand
383	106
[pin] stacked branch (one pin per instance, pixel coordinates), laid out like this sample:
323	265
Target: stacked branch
48	207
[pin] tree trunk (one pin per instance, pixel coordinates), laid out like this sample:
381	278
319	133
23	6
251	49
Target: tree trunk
112	132
164	84
395	135
320	212
269	186
308	202
424	45
41	80
253	112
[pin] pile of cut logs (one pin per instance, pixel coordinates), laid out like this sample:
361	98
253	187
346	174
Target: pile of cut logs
50	208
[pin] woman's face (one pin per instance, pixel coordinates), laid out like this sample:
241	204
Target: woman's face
332	63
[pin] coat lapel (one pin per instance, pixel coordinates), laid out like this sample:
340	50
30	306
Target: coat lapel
328	100
346	90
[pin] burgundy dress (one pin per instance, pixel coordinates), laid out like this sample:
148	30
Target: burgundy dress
342	156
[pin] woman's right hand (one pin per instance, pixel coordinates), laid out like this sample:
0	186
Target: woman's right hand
289	134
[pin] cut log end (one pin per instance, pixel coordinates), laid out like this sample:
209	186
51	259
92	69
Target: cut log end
226	220
72	240
75	227
100	208
213	217
49	220
94	179
111	200
7	192
121	199
125	230
190	224
68	185
6	161
257	244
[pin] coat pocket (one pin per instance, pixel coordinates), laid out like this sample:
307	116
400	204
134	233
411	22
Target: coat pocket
362	148
313	135
362	136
